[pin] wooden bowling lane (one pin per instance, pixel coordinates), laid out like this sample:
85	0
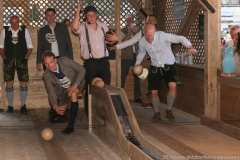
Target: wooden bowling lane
21	139
186	136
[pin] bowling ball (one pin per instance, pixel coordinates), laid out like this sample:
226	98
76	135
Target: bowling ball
99	83
95	79
47	134
138	69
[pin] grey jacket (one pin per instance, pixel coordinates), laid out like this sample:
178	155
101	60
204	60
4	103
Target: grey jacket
63	40
71	69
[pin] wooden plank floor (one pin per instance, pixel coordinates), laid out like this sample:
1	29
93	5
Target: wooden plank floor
186	136
21	139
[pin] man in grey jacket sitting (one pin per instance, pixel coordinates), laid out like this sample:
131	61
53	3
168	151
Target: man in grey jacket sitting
63	79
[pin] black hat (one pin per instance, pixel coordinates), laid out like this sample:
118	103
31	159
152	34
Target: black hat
90	8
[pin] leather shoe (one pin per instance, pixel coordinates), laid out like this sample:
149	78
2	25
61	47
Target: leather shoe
138	100
10	109
68	130
55	118
23	109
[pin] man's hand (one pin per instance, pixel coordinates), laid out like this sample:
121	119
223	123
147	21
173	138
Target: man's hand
111	38
190	50
60	109
39	67
112	48
80	5
134	30
71	89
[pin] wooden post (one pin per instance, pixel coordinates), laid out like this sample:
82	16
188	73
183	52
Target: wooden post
2	88
118	52
212	50
147	5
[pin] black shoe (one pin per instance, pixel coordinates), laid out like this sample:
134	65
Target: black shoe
10	109
68	130
67	111
138	100
51	110
55	118
23	109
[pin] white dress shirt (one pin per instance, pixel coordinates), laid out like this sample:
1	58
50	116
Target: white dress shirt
160	50
15	34
54	44
96	38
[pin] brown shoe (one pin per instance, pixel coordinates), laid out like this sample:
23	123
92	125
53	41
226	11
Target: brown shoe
169	115
149	105
143	105
156	117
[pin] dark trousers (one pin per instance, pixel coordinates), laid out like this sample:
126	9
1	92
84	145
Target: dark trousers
125	66
96	68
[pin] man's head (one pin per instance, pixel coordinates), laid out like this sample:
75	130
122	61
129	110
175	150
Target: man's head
49	60
50	15
151	19
67	22
90	14
149	31
233	32
129	18
14	21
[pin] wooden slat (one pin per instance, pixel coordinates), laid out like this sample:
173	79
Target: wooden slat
211	50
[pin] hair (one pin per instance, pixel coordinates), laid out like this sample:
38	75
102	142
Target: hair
233	27
151	15
50	9
65	20
238	44
48	54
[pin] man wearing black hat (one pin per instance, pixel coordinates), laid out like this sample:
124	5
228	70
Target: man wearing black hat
93	46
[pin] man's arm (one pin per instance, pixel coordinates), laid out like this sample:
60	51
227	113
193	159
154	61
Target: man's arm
39	50
75	22
69	43
2	53
179	39
2	39
130	42
29	43
141	53
78	69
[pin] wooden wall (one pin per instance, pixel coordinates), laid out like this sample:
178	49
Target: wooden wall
229	100
190	94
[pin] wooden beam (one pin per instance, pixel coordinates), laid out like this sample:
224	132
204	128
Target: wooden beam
2	90
186	23
212	50
148	6
137	7
118	51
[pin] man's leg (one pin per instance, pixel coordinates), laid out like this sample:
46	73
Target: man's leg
137	90
154	80
170	100
9	94
146	103
23	96
156	105
73	112
92	69
23	77
125	65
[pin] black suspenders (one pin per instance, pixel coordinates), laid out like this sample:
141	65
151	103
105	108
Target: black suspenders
88	41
